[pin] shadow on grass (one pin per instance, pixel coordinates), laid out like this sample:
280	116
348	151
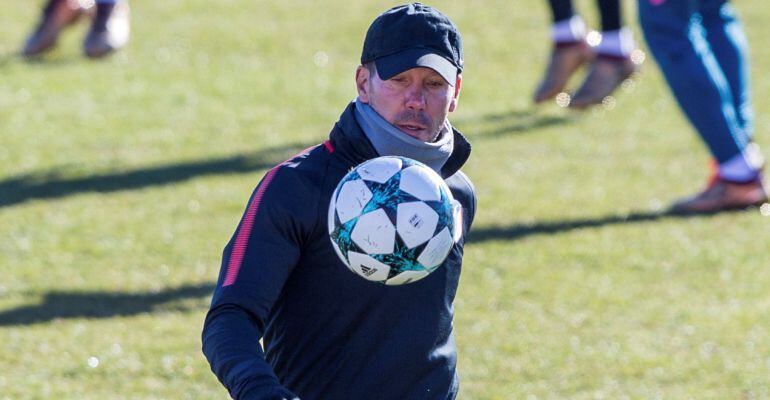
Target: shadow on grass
55	59
50	185
48	60
6	58
510	122
57	304
519	231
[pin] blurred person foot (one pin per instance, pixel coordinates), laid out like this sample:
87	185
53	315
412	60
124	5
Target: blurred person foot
566	58
723	195
57	15
606	73
109	30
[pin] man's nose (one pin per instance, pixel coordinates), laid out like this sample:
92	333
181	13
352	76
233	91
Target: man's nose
415	97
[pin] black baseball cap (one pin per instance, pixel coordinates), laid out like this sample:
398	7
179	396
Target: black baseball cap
413	35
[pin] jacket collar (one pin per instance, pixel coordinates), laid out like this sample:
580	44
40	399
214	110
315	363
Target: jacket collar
351	144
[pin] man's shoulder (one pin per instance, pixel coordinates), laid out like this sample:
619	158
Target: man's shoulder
298	179
463	191
308	159
460	182
309	164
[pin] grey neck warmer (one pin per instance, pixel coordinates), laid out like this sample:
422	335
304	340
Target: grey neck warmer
390	141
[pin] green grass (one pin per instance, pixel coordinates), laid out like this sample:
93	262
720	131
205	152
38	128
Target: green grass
121	181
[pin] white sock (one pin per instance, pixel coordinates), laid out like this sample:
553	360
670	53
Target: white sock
742	167
569	30
619	43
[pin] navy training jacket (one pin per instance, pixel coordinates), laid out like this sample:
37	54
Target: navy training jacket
327	333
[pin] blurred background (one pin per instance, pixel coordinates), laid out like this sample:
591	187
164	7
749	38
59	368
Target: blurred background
122	179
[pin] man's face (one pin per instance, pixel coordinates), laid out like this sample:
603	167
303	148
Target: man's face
416	101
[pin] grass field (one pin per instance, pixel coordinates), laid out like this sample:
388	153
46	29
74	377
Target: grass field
121	181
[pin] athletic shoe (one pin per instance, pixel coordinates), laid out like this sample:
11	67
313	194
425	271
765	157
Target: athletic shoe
605	75
57	15
566	58
109	29
722	195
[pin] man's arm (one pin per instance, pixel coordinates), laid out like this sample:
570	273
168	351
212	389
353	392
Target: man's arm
255	265
231	345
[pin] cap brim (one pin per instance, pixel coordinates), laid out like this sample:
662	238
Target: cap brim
394	64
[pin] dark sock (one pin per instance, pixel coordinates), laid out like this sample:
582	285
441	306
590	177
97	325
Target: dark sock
561	9
103	11
610	13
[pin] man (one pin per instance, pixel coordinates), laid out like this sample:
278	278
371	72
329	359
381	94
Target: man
610	60
109	27
327	333
702	50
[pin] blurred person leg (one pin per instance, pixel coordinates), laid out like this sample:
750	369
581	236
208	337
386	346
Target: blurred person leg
612	64
56	15
728	42
569	52
109	29
702	52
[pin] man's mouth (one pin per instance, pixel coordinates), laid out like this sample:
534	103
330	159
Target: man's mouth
412	127
413	123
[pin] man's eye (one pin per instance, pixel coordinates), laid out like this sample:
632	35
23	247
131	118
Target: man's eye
435	84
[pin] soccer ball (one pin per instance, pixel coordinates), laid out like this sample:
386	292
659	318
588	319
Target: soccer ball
393	220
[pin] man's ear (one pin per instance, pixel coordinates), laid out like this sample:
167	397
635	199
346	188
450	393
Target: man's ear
362	83
456	95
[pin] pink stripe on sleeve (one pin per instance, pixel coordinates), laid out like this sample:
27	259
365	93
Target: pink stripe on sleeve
329	147
242	239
